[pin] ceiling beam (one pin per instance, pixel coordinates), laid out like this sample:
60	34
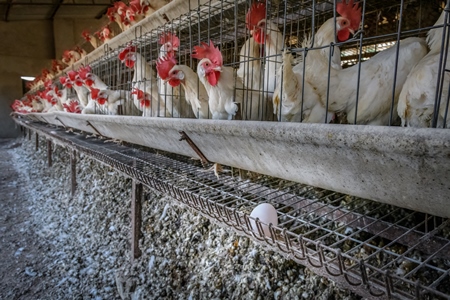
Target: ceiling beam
9	2
47	4
55	9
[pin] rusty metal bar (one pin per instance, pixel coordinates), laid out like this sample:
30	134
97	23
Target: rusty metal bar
92	126
136	217
185	137
49	152
73	165
56	118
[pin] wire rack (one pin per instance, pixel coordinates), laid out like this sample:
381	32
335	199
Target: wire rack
374	249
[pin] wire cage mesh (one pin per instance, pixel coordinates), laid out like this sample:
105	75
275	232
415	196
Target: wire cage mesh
301	45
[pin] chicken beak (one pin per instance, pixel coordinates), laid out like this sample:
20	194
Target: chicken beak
218	68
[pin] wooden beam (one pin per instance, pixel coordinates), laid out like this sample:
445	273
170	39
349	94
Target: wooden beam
55	9
8	7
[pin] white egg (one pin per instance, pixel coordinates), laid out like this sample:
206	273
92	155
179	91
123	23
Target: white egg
267	214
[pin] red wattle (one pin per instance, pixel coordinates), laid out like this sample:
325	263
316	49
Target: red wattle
129	63
343	35
101	101
145	103
174	82
213	77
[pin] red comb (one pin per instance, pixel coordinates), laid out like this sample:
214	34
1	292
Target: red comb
62	79
72	74
164	65
350	11
94	93
256	13
169	37
72	107
83	71
208	51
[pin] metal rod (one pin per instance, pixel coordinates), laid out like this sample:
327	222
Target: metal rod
49	152
136	217
37	141
397	51
185	137
73	165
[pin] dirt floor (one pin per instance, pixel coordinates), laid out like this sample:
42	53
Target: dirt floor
23	255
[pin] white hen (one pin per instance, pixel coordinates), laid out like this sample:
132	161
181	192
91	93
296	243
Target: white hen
195	91
417	99
302	104
266	33
143	79
224	89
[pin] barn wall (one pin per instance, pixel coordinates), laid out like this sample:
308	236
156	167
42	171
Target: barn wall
26	48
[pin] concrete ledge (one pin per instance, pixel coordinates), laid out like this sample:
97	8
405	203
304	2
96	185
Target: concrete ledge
406	167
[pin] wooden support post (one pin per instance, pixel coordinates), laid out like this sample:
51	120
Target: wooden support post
49	152
73	164
37	141
136	218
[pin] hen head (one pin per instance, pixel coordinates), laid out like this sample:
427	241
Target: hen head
98	96
166	67
65	81
128	56
350	19
169	42
111	13
136	5
85	76
86	35
56	66
256	21
130	13
143	98
211	62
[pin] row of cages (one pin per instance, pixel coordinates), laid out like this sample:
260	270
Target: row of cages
368	62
